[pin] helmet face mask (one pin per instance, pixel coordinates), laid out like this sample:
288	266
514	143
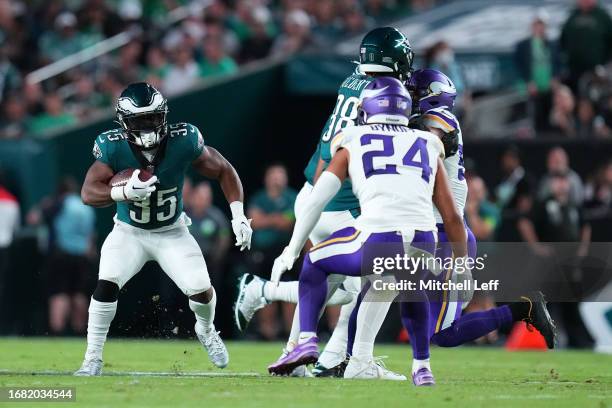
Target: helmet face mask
145	121
141	112
146	140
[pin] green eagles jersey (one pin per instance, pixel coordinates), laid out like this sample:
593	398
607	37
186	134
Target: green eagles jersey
182	145
344	114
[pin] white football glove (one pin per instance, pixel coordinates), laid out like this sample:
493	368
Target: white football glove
243	231
135	189
241	226
464	275
282	264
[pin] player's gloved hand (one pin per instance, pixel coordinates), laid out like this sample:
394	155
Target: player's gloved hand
136	189
463	274
241	226
282	264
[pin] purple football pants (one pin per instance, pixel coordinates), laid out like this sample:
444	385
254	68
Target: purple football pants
342	253
448	328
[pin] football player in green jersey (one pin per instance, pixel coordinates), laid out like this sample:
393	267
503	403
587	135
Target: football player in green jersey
384	51
150	223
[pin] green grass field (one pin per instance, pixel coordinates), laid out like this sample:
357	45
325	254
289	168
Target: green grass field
467	377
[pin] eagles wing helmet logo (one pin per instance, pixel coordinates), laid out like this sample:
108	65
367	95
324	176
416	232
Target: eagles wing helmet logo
127	106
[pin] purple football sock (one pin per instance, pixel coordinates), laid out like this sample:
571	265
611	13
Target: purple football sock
415	317
312	292
472	326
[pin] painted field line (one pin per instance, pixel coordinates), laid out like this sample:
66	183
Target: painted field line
188	374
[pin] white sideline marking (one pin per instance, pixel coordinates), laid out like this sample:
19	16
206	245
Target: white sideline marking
187	374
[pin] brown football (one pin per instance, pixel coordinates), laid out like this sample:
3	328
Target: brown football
121	178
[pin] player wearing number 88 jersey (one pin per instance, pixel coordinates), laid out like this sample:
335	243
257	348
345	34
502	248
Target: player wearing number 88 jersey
384	51
150	224
343	115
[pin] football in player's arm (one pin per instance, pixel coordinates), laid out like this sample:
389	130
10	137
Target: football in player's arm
150	224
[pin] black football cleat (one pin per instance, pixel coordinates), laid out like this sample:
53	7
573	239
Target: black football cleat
538	317
337	372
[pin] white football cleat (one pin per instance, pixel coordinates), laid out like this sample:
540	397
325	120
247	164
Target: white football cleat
301	371
250	299
370	370
90	368
217	353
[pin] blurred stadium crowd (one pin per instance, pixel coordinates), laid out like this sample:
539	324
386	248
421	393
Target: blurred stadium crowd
173	45
568	81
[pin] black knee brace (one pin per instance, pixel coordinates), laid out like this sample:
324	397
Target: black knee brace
106	291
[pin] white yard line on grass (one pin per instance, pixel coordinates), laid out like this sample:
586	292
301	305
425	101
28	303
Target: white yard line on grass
523	397
519	382
137	373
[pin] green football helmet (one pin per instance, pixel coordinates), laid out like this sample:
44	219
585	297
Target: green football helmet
386	49
142	112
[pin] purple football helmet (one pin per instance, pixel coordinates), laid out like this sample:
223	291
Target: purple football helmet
430	89
385	100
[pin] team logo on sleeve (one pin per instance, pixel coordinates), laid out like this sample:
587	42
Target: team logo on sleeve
200	141
97	152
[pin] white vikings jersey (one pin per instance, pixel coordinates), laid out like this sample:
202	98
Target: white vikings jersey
393	170
454	165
